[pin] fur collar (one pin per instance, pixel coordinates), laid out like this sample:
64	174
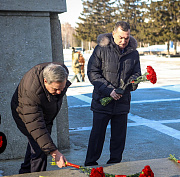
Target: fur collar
104	39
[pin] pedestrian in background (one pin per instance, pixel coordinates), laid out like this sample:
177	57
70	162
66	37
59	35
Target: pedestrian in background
35	104
115	58
76	67
82	63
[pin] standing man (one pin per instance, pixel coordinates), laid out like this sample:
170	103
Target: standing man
115	58
35	104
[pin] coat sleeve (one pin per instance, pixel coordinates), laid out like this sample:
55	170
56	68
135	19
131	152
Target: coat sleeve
95	73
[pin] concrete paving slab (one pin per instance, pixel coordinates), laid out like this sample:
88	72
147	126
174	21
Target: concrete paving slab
161	168
56	173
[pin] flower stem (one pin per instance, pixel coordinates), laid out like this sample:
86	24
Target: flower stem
141	78
172	157
72	165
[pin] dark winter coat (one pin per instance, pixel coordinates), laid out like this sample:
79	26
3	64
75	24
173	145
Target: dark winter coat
34	108
106	67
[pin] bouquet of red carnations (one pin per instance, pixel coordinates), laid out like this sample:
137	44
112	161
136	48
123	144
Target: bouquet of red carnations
98	172
150	75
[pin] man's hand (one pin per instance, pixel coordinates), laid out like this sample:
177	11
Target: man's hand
59	158
115	96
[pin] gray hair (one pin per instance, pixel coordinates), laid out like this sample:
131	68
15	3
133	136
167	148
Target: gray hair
54	73
123	25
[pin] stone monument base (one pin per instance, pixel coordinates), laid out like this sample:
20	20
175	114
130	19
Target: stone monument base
161	168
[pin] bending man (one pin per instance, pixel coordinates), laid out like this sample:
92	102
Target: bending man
35	104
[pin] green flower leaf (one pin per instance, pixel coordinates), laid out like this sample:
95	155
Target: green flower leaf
106	100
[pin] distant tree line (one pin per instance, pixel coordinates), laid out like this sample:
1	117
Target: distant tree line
151	21
68	38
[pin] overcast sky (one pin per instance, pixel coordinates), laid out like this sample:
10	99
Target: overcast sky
74	8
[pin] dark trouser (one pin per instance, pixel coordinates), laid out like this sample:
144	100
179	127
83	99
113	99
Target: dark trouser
35	159
97	137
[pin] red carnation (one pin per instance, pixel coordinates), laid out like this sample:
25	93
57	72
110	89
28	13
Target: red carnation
151	75
98	172
147	172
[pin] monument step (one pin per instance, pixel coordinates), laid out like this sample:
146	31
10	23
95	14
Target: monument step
161	168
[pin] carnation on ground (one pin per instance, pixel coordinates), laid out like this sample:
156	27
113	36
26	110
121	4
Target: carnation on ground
99	172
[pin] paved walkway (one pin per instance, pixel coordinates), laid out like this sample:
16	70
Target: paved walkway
153	125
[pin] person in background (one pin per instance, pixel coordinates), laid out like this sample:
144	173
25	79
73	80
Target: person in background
76	67
82	63
113	60
35	104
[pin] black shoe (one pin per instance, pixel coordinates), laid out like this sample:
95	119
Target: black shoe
91	164
113	161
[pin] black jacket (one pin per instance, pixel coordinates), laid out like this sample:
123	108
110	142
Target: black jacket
34	108
106	67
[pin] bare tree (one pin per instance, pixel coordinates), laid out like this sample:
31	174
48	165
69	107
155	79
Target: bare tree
68	36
